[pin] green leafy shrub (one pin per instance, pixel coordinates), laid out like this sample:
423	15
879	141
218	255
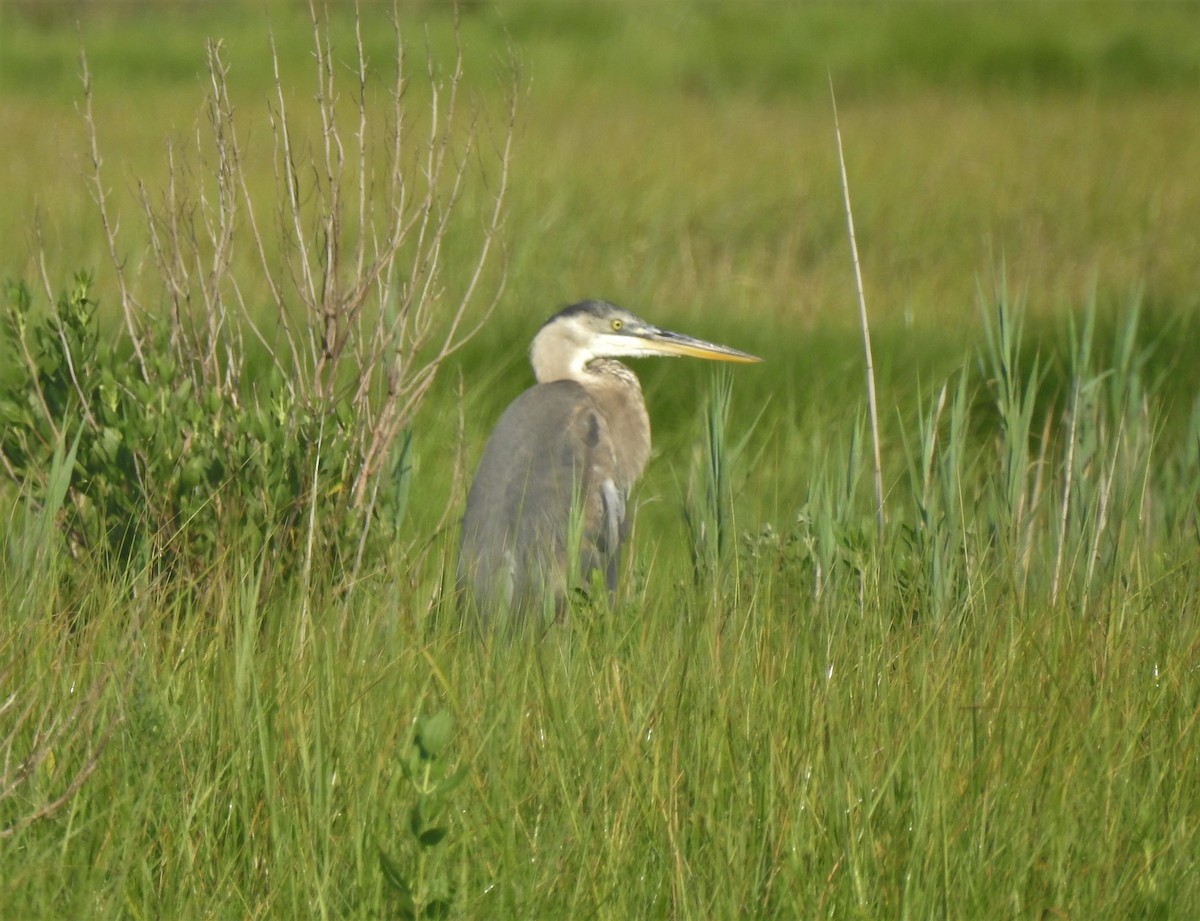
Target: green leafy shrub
169	464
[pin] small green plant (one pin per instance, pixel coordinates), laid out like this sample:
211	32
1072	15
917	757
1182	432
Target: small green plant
708	502
707	509
421	891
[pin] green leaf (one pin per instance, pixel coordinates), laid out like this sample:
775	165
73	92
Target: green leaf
433	734
109	444
431	837
193	472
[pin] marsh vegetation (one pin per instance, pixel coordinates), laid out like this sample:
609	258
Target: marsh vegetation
237	687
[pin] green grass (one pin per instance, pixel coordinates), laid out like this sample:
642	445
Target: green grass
990	712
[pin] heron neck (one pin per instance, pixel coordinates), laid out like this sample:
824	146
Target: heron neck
553	359
618	394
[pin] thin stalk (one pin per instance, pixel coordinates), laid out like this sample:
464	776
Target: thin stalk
872	409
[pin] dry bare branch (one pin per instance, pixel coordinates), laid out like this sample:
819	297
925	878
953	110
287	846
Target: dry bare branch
129	306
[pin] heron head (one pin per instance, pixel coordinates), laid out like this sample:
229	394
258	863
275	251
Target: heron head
583	332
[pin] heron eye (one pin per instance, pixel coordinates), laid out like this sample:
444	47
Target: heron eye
616	325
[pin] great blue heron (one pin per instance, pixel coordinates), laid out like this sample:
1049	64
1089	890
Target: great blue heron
548	502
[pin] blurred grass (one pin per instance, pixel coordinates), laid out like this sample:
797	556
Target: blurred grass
929	734
712	122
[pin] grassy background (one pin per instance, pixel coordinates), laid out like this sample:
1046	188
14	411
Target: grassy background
826	724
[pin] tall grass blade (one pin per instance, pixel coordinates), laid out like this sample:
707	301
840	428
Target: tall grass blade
707	511
31	548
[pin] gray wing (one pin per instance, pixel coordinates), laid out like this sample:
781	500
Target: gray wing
546	488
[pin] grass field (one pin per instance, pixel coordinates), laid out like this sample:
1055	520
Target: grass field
988	709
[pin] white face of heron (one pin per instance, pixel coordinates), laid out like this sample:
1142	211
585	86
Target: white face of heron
566	344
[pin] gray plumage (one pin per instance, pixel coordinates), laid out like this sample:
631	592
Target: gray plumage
548	505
